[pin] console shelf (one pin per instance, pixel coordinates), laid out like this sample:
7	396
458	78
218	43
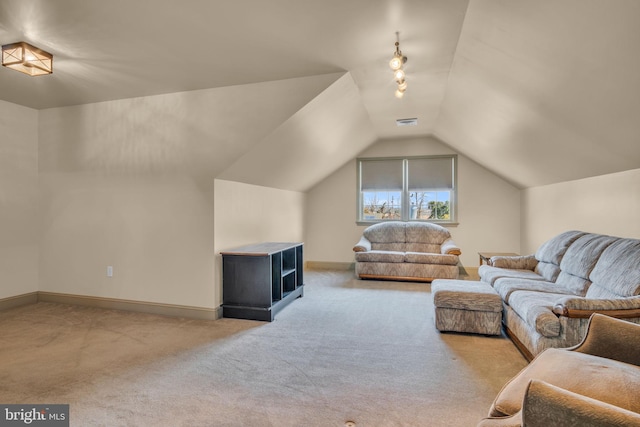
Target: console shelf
260	280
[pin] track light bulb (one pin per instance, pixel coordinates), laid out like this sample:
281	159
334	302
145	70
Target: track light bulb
395	63
399	75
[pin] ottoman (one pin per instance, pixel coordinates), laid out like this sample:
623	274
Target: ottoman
467	306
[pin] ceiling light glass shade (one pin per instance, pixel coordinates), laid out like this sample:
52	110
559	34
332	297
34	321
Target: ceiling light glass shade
395	63
27	59
399	76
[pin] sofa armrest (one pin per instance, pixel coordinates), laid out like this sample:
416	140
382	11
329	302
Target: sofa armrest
522	262
546	405
611	338
364	245
449	248
581	307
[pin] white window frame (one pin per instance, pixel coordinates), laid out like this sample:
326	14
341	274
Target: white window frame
405	193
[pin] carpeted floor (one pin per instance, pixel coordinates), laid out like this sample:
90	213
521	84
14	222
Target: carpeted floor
349	350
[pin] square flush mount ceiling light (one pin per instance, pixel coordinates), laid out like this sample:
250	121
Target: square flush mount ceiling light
27	59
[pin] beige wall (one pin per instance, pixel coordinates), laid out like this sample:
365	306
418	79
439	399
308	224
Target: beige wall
246	214
156	232
607	204
130	184
488	207
18	200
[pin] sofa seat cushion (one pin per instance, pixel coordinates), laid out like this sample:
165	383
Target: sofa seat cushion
490	274
505	286
423	247
380	256
609	381
547	405
571	284
426	258
536	309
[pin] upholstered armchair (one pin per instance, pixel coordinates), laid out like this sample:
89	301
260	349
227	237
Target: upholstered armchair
596	383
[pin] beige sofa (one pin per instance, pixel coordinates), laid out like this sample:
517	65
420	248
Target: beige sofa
549	296
408	251
593	384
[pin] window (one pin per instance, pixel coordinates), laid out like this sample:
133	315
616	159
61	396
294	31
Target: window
407	189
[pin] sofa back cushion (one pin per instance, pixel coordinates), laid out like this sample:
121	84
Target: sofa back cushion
425	237
426	232
386	236
617	272
406	236
579	260
550	253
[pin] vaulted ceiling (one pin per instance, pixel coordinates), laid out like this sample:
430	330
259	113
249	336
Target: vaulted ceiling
536	91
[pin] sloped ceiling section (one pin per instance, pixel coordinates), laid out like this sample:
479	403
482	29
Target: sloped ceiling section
323	135
197	132
106	50
544	92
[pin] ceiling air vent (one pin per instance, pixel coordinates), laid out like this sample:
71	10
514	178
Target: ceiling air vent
407	122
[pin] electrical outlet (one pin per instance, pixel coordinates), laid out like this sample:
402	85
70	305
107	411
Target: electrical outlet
109	271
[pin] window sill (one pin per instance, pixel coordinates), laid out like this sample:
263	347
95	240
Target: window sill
444	224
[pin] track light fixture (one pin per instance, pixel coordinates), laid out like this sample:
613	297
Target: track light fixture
396	64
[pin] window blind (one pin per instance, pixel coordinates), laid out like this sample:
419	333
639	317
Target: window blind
430	174
381	175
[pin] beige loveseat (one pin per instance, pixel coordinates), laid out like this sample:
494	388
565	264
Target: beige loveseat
408	251
593	384
548	297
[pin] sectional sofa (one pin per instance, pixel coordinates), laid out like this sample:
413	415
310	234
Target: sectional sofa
409	251
549	296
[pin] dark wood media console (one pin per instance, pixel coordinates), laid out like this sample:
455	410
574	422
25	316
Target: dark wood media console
260	280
